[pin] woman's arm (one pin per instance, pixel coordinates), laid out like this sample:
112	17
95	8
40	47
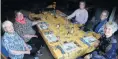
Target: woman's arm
72	15
9	46
19	52
35	22
13	51
26	46
29	36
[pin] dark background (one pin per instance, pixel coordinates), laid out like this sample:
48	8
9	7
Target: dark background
67	6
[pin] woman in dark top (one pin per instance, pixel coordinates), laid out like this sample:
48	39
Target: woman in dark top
100	26
107	47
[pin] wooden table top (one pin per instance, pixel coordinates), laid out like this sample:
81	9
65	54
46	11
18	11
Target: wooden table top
66	32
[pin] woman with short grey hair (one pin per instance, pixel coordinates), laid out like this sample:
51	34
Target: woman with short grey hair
107	46
14	44
113	26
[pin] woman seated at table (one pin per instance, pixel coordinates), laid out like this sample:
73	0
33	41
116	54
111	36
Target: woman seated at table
107	47
23	26
100	26
81	14
15	45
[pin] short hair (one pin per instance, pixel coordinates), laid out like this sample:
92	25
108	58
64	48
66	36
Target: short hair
83	2
5	23
18	12
113	25
106	11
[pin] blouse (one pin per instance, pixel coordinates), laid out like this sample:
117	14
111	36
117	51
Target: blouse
81	16
13	42
24	29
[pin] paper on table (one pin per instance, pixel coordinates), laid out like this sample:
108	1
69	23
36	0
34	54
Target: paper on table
51	37
69	47
43	25
88	40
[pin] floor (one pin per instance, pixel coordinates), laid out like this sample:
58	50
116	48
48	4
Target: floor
46	54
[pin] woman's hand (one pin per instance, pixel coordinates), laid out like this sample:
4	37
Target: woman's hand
96	43
27	49
27	52
26	46
87	56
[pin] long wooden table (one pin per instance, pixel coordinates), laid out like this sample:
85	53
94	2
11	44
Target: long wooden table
60	27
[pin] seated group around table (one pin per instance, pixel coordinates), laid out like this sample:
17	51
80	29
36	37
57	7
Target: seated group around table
22	42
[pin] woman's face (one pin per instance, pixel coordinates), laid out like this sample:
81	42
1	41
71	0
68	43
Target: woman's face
108	31
20	16
9	28
82	5
103	16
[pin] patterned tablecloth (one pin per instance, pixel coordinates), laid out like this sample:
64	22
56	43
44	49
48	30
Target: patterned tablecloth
62	37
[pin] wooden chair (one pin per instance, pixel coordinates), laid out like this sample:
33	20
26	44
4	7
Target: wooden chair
2	56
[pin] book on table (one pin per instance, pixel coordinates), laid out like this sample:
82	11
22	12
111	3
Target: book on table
88	40
43	25
67	47
50	37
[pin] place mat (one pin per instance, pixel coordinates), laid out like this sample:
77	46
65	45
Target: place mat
50	37
88	40
43	25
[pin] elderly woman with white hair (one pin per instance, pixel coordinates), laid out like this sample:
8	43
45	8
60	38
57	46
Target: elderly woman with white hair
106	49
107	46
14	44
